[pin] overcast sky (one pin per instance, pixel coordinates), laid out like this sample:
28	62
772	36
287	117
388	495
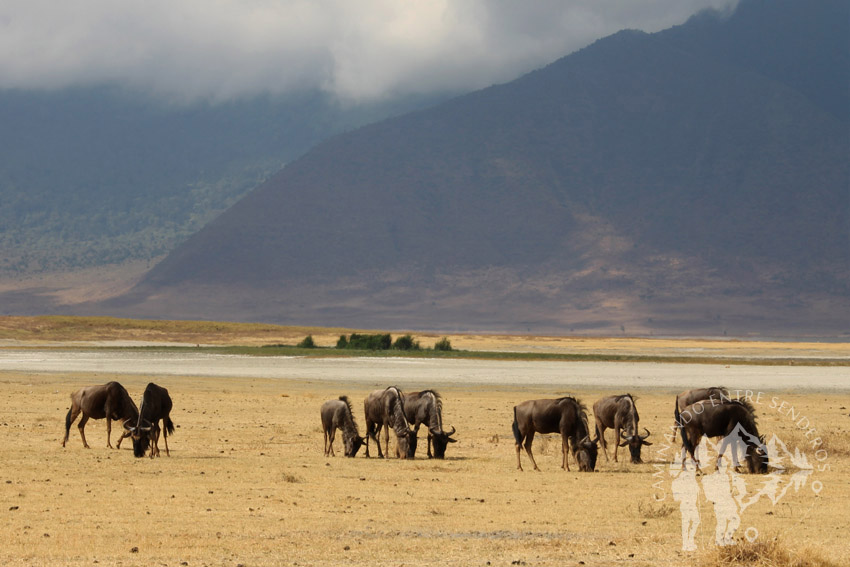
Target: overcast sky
356	49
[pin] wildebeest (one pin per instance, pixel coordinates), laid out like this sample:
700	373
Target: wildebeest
620	414
336	414
734	420
156	405
689	397
385	408
427	407
566	416
110	401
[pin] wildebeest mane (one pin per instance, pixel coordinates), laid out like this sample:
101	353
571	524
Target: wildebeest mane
747	404
348	403
438	399
436	423
580	404
353	422
396	411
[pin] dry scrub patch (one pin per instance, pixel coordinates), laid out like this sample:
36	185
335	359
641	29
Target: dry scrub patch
764	553
247	484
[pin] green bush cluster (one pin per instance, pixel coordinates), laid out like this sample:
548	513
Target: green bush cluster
384	342
406	342
366	342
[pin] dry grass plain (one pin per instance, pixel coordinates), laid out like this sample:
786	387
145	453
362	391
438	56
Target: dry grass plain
247	484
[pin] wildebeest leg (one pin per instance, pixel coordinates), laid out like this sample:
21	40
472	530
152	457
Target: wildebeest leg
124	435
528	441
165	440
82	427
331	442
325	441
430	456
73	413
600	433
618	428
155	440
565	449
108	431
152	435
386	442
684	457
370	432
695	456
518	451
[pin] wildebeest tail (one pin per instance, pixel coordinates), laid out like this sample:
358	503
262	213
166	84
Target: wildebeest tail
168	424
686	442
676	417
515	427
68	420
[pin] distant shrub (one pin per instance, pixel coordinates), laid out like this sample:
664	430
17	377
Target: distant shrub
443	344
307	342
342	342
406	342
370	342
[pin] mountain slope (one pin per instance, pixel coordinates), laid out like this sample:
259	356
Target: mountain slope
98	176
637	182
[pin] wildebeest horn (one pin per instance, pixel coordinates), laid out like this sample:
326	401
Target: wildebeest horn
587	440
647	433
452	432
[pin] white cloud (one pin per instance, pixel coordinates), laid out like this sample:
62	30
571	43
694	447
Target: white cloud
356	49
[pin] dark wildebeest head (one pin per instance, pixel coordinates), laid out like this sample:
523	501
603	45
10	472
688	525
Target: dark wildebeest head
385	409
156	405
733	420
110	401
620	414
336	414
566	416
427	407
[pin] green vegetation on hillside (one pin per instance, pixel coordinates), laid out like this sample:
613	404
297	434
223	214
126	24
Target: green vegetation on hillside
99	176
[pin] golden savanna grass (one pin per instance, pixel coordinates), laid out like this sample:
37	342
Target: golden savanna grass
247	484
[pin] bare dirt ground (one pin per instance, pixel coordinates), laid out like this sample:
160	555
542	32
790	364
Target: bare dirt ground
247	484
423	372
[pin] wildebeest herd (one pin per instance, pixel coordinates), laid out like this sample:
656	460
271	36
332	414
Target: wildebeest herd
698	413
113	402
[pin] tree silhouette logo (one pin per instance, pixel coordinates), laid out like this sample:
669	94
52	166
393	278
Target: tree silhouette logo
720	485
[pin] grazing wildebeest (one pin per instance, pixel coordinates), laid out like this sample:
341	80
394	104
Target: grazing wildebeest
110	401
156	405
734	420
566	416
427	407
620	414
689	397
385	408
336	414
